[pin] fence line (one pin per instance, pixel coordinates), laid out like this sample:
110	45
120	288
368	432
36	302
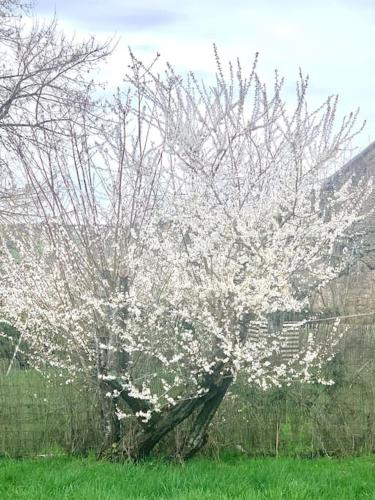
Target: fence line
37	415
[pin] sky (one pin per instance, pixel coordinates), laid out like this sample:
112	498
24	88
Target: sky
331	40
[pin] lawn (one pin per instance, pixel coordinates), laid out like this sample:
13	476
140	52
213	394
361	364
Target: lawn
232	477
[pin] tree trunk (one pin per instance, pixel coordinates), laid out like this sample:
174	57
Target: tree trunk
111	426
151	432
147	439
160	425
198	433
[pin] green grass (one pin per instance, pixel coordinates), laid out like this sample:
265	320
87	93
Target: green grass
284	478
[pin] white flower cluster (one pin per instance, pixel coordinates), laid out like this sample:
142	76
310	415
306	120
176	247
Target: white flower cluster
144	272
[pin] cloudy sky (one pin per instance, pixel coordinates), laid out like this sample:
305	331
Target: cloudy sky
331	40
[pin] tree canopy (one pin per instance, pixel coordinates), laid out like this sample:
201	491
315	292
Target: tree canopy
165	220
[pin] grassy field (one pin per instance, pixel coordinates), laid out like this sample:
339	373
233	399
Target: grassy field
86	479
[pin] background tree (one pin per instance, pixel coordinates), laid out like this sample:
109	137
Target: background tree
189	211
43	83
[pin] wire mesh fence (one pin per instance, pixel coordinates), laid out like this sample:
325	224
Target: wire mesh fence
39	416
309	419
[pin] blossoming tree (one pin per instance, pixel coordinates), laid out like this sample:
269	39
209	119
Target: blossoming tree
187	212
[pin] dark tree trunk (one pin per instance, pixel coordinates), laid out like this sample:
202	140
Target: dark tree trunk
198	433
147	439
111	426
160	425
150	434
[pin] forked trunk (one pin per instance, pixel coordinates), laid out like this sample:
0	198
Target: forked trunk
153	432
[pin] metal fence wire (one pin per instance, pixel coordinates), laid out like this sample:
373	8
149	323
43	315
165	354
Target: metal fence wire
40	416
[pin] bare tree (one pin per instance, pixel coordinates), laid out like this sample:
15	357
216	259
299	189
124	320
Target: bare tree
43	83
188	212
